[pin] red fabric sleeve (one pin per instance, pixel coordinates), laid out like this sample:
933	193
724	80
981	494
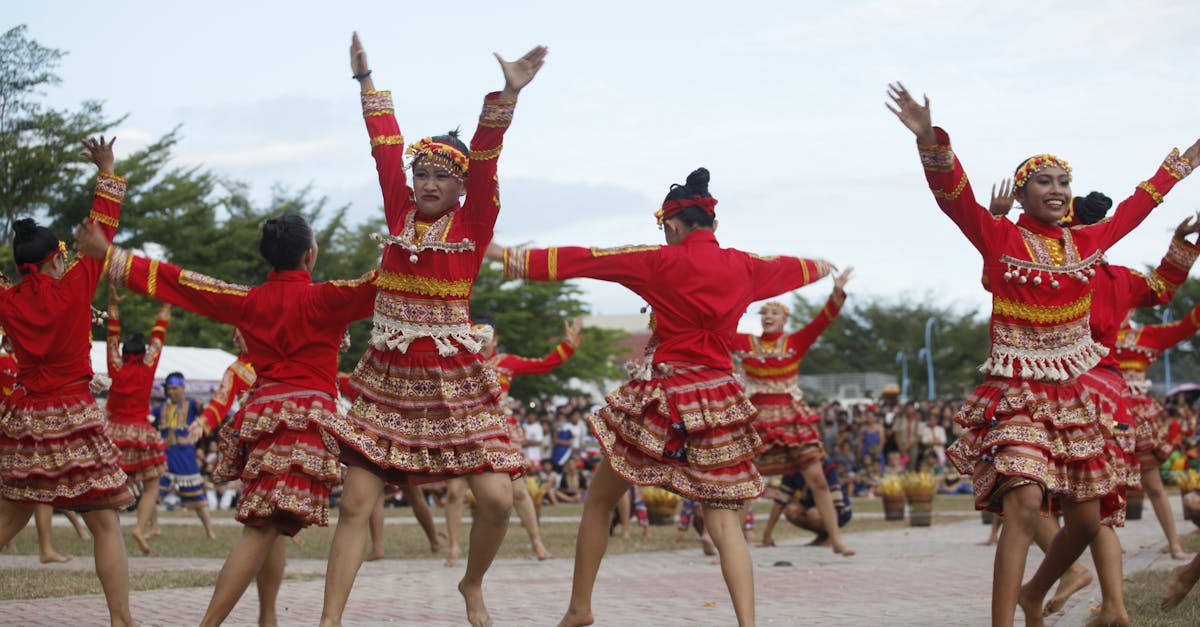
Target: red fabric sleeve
803	339
350	300
83	275
525	365
158	337
483	193
387	147
232	386
113	341
948	181
1133	210
1163	336
772	276
171	284
630	266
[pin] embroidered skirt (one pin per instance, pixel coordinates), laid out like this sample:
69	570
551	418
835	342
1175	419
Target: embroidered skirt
1028	431
143	452
54	449
1109	392
689	429
1149	413
789	431
287	462
421	416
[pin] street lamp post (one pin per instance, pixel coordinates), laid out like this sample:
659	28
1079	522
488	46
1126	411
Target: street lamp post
902	359
926	354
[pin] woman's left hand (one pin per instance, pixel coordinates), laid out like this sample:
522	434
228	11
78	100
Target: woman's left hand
517	74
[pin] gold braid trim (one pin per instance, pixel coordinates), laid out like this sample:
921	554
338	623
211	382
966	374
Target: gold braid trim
106	220
1042	314
1149	188
152	278
552	264
387	140
426	286
484	155
958	189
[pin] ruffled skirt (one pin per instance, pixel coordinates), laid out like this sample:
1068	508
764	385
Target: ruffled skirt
1109	392
286	461
421	416
689	429
790	435
54	450
143	452
1032	432
1149	413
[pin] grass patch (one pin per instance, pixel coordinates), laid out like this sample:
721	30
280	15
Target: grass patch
41	583
408	542
1144	591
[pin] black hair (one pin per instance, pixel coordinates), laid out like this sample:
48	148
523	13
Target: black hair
31	243
452	138
696	185
135	345
1092	208
285	239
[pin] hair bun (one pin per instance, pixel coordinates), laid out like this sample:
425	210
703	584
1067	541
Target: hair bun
1098	201
25	227
697	181
1092	208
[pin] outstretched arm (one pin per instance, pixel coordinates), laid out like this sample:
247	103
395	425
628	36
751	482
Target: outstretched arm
387	143
359	68
158	336
803	339
83	277
1148	195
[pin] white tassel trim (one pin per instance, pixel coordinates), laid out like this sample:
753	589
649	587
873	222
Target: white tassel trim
1055	365
389	334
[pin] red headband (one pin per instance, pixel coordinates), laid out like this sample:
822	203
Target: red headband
26	268
672	208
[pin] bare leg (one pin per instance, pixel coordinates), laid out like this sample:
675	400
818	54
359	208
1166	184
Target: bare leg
1182	581
524	508
1022	508
153	524
376	528
145	509
1081	522
112	566
772	520
1153	487
244	563
994	534
725	526
493	505
359	493
42	515
1076	578
592	541
78	524
1106	553
814	476
206	520
456	494
13	518
624	509
270	578
420	509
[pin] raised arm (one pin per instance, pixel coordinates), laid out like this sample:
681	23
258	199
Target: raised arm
387	144
483	200
556	358
158	336
944	173
114	332
1160	337
1148	195
237	378
803	339
84	276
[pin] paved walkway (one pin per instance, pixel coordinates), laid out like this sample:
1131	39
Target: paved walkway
914	576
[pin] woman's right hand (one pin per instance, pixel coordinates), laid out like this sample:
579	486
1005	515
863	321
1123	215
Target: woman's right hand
1002	199
914	116
359	65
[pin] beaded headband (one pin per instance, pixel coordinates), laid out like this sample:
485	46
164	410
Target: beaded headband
440	155
672	208
1036	164
775	303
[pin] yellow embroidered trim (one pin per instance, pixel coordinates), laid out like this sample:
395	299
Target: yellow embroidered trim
157	328
127	270
620	250
484	155
212	285
804	268
552	264
1149	188
940	195
1042	314
763	257
370	276
152	278
771	372
107	257
113	177
387	140
1134	365
423	285
103	219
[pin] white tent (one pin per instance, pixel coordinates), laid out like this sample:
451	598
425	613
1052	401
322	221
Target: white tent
201	367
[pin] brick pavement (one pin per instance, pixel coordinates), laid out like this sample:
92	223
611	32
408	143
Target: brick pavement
913	576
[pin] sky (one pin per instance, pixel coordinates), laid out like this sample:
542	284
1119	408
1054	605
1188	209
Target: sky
782	102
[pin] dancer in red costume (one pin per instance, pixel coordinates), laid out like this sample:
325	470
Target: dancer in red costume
1031	427
131	368
428	406
238	378
274	444
1136	349
53	446
683	421
1118	290
788	427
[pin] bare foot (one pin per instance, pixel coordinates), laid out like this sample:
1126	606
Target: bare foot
54	557
1177	553
154	532
1110	619
1070	583
1032	607
211	535
645	531
708	546
576	619
767	541
452	557
477	614
541	552
1181	583
844	550
374	556
141	542
989	542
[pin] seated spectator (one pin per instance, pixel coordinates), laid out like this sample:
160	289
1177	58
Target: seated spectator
573	485
800	509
